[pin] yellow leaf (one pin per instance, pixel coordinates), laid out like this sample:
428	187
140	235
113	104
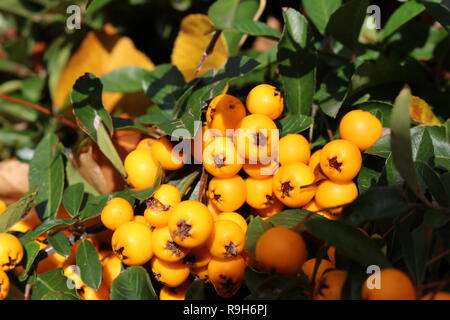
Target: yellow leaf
195	34
99	53
421	112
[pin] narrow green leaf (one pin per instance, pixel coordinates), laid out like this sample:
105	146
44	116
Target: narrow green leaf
320	11
184	184
60	243
107	148
381	148
255	28
89	264
72	198
297	63
440	10
401	142
17	211
126	79
346	22
56	295
222	13
295	123
432	182
351	242
47	226
86	98
133	284
375	204
51	281
366	179
289	218
405	13
31	251
46	174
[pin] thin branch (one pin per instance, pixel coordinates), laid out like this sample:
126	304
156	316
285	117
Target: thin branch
208	51
391	229
438	257
40	109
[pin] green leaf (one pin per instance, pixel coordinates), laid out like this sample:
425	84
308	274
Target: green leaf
107	148
89	264
346	22
133	284
416	249
320	11
127	79
164	85
49	282
281	287
366	179
295	123
72	198
31	250
405	13
440	10
60	243
401	142
381	148
247	10
382	110
253	278
148	192
155	115
16	211
47	226
184	184
256	28
55	295
222	13
199	290
289	218
350	242
375	204
86	98
255	229
333	90
297	63
74	177
432	182
46	174
93	206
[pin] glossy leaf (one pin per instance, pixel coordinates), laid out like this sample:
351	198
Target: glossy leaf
89	264
73	198
405	13
16	211
133	284
320	11
60	243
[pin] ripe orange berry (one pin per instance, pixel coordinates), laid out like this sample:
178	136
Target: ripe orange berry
131	242
309	265
360	127
190	223
112	267
52	262
200	273
162	151
271	210
314	160
260	170
227	239
165	248
221	159
11	251
116	212
293	184
177	293
335	194
4	285
201	139
227	194
265	99
331	254
145	143
224	112
330	285
256	138
394	285
213	209
171	274
141	168
227	275
161	204
281	250
3	206
235	217
198	257
90	294
340	160
294	148
259	192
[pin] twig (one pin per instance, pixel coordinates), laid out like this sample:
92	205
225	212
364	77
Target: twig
40	109
327	125
203	180
403	219
315	107
208	51
27	291
438	257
